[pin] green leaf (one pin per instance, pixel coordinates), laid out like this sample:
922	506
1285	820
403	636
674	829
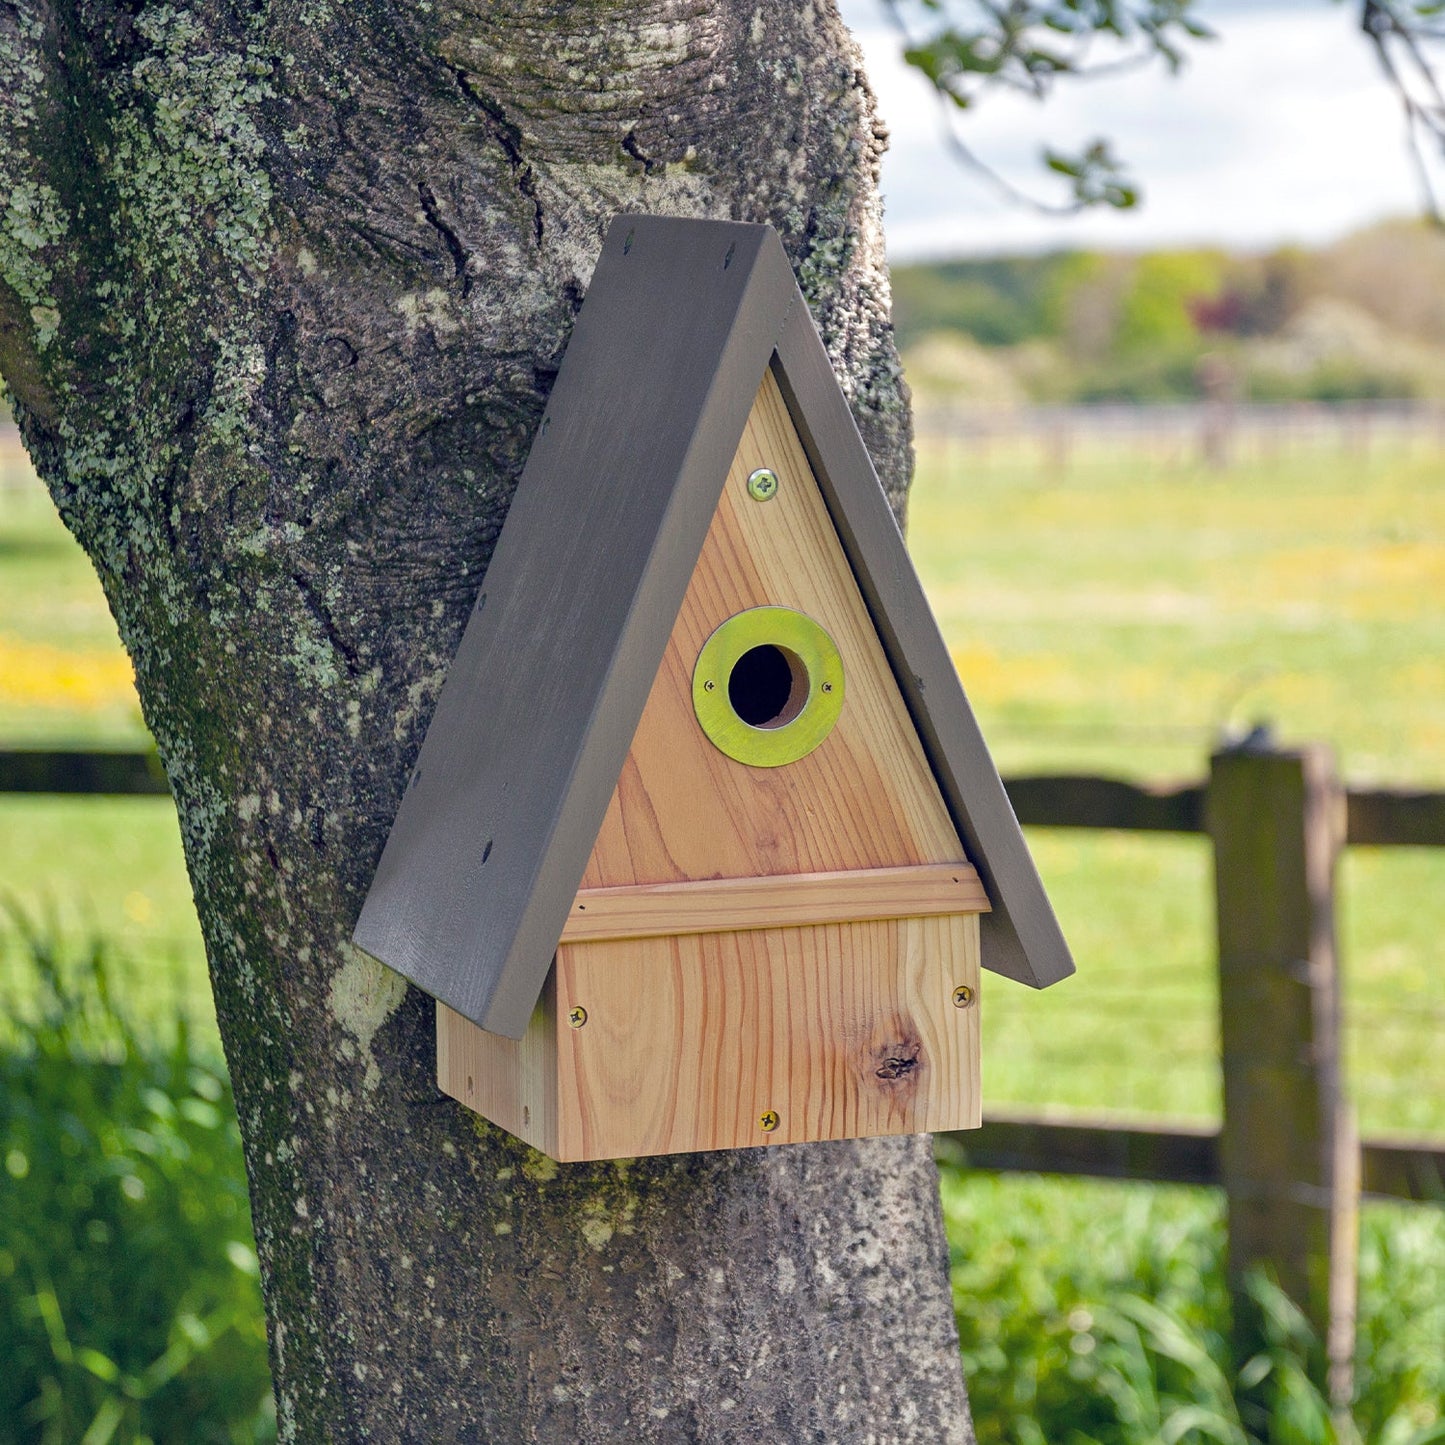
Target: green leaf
1430	1435
103	1426
100	1365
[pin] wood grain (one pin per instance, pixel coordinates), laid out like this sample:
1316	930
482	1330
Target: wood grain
843	1030
647	910
865	798
512	1082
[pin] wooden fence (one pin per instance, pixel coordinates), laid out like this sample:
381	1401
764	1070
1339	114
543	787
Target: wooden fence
1287	1156
1214	433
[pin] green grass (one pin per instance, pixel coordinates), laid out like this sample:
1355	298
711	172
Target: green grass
1111	623
1120	618
129	1301
1134	1032
94	867
63	672
112	868
1095	1312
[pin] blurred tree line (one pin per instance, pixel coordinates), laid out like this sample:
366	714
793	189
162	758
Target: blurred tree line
1359	319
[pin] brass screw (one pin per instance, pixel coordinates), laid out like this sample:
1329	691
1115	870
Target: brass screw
708	686
577	1016
763	484
962	996
769	1121
827	687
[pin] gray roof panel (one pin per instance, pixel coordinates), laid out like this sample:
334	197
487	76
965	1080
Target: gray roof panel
541	703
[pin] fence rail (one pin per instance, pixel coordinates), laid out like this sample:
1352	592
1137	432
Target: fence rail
102	773
1183	1153
1214	432
1347	422
1376	817
1286	1155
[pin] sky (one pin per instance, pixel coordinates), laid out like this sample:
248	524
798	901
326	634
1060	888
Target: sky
1281	130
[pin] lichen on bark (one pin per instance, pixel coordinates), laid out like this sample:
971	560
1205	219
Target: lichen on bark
283	289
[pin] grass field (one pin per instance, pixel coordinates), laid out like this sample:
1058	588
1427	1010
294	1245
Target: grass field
1123	618
63	673
1121	622
1113	623
106	866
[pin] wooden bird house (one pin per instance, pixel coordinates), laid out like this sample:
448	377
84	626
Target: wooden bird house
703	844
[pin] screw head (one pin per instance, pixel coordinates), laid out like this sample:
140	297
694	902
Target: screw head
769	1121
962	996
708	686
577	1016
763	484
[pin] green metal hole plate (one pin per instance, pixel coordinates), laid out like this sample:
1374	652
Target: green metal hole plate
795	633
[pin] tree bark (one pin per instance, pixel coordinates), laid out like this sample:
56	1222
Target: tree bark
282	291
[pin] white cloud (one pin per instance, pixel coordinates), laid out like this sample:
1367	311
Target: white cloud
1281	130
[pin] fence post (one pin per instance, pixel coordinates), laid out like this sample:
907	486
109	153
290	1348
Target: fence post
1289	1156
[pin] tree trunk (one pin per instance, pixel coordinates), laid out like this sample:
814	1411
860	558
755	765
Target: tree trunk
282	291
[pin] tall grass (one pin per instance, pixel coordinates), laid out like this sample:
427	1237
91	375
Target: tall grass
1097	1314
129	1301
1089	1314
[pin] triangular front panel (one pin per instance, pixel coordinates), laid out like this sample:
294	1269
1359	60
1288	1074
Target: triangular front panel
864	798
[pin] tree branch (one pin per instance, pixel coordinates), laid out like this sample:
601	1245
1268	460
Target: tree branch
1392	26
970	48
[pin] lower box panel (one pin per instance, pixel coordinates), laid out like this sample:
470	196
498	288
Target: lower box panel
730	1040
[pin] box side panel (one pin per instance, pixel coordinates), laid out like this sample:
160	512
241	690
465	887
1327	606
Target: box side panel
512	1082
